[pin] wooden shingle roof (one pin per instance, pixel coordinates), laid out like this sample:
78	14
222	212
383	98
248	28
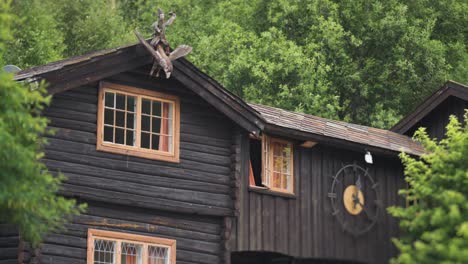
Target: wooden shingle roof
346	132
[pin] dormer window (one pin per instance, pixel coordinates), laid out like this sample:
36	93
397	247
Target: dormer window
138	122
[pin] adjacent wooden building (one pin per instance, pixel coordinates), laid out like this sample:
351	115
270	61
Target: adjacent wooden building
180	170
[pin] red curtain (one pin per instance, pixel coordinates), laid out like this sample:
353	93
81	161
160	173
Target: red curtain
164	140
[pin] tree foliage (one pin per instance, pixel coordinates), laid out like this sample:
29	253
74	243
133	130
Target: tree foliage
27	190
366	62
435	227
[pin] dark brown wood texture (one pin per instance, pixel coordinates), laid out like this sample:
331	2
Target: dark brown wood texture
199	184
436	121
9	244
303	226
198	238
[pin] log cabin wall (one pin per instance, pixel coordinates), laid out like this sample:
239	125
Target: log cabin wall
139	195
436	121
303	226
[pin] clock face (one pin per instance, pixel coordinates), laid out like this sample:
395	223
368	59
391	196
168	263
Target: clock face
354	199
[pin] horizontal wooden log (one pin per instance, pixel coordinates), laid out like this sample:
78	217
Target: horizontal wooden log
9	241
205	224
71	169
73	124
54	112
150	191
71	104
203	172
90	98
99	195
9	253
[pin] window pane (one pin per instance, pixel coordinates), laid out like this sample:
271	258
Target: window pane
165	144
146	106
156	108
130	139
285	166
287	150
158	255
285	179
168	123
131	254
109	99
131	103
145	140
120	101
108	134
156	125
277	162
168	108
104	251
145	123
120	119
276	180
109	117
154	142
119	136
130	120
277	149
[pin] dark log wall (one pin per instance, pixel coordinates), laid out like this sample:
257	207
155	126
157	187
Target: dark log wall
9	244
303	226
135	192
436	121
198	238
200	183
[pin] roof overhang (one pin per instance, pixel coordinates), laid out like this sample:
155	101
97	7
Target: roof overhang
450	88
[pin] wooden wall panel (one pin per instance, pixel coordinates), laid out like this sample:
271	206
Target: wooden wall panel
201	183
303	226
436	121
198	238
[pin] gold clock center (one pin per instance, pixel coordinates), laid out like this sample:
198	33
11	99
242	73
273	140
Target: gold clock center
353	200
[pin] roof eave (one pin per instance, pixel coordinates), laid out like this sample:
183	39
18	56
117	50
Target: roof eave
450	88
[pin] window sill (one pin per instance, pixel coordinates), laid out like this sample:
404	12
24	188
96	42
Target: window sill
267	191
129	151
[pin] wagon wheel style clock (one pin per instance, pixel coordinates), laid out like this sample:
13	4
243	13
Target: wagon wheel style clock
354	199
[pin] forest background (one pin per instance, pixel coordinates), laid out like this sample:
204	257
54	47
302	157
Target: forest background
366	62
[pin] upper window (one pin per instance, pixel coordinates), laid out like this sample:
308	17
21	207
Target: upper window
106	247
275	165
138	122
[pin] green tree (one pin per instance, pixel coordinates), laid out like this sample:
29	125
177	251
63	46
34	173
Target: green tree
360	61
28	192
435	228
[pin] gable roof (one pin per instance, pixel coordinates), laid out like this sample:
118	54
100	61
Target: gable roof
73	72
450	88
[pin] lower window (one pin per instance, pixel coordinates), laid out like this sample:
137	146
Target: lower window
106	247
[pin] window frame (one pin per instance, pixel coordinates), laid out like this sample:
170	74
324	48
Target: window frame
120	237
139	93
267	182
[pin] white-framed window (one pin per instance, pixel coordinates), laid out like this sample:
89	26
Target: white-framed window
108	247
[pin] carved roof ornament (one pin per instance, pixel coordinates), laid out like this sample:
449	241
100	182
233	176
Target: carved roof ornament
159	47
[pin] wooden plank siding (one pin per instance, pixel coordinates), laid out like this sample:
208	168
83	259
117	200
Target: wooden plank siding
303	226
436	121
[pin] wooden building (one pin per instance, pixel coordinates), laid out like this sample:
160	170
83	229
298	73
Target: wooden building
433	113
180	170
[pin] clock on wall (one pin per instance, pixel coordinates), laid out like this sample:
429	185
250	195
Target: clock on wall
354	199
